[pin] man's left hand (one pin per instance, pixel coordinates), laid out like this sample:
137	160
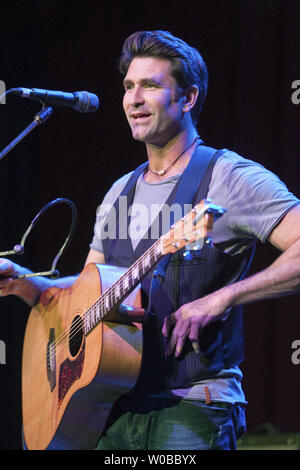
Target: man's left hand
188	322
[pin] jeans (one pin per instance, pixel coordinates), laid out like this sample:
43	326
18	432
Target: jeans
165	424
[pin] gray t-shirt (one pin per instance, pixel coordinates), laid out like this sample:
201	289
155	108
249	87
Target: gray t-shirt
255	200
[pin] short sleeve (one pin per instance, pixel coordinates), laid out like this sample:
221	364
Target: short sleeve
103	210
256	200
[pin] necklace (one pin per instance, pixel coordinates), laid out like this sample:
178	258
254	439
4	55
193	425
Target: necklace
165	170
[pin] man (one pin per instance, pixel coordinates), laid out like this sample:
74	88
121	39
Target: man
189	394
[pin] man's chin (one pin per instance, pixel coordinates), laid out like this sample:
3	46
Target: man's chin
153	138
140	137
147	138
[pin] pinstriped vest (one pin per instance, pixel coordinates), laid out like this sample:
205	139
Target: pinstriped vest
221	343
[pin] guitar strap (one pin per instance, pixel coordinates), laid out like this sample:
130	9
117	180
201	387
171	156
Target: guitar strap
192	187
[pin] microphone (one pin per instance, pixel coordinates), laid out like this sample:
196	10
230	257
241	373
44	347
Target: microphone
81	101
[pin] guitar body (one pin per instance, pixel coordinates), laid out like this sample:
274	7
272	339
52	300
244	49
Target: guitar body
70	380
80	354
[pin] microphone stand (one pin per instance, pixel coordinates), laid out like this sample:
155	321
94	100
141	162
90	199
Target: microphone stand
39	119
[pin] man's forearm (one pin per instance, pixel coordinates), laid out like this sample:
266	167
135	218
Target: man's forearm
188	322
281	278
27	288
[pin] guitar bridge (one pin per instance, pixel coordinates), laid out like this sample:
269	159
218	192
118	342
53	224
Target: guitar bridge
51	360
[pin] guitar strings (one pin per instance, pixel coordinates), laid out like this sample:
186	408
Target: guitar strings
108	295
99	303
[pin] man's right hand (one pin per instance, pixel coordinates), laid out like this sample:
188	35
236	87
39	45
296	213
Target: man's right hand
8	269
28	289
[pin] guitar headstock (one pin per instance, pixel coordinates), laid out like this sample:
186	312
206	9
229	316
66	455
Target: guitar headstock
193	229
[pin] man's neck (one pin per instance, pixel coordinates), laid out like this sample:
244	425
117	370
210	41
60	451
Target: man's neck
170	159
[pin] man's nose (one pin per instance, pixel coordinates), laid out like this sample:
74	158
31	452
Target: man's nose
137	97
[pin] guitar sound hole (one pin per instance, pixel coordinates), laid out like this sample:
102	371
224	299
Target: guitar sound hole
76	335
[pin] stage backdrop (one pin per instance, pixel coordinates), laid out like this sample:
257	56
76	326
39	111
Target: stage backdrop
252	52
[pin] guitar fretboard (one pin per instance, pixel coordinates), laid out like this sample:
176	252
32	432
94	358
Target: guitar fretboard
122	287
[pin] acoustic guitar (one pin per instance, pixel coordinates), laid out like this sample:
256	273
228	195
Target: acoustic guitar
81	354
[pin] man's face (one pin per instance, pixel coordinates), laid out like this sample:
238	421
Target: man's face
152	101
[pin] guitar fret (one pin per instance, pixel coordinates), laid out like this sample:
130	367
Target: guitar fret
93	315
86	322
153	257
146	261
125	282
130	279
135	273
158	250
117	291
98	316
92	318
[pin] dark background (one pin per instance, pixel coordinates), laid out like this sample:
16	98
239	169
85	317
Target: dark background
253	56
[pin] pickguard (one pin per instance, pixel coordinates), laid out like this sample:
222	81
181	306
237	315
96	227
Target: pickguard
69	372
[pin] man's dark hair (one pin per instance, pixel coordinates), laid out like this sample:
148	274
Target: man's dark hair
188	67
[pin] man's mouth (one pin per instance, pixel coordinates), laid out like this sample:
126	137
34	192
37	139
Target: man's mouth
140	116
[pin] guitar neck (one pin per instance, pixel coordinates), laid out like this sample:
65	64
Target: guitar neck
122	287
192	228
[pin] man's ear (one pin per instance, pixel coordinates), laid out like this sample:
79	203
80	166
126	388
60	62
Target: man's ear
191	95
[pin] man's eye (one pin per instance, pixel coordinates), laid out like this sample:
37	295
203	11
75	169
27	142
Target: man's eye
128	87
150	85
